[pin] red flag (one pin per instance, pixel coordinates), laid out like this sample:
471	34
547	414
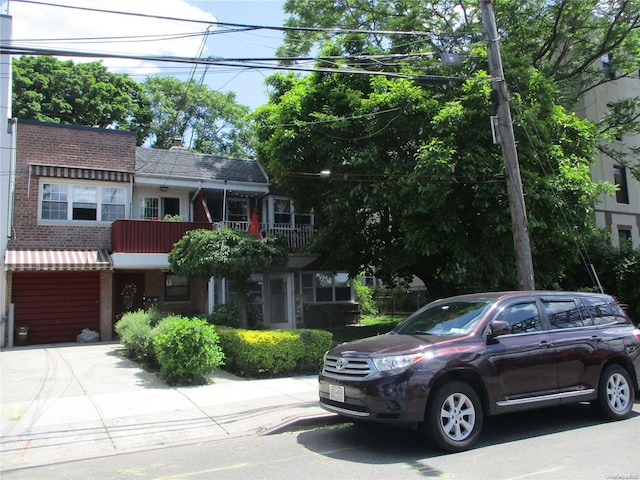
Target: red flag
254	226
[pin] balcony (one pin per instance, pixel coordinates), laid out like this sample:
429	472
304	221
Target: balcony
151	236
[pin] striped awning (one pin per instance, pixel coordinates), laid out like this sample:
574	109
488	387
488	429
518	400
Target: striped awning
79	173
57	260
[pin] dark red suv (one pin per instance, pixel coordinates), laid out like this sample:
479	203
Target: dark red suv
458	359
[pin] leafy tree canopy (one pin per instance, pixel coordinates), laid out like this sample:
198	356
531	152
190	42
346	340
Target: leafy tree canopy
417	184
214	121
563	39
51	90
230	254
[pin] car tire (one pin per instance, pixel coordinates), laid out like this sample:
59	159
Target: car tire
454	417
615	393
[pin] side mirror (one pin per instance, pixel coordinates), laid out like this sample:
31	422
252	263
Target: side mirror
497	328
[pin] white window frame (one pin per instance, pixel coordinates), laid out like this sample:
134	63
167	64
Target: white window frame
144	208
313	289
293	216
67	195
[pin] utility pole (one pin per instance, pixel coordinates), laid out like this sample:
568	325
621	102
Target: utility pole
507	139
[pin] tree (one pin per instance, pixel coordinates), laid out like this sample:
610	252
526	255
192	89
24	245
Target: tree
563	39
417	184
50	90
228	254
216	122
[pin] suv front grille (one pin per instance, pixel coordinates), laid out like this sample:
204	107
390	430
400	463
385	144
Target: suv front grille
347	368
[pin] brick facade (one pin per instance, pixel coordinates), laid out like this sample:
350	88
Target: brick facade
63	145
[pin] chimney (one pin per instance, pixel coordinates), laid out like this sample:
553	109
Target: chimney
177	143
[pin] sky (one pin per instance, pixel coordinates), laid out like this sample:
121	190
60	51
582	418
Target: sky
45	25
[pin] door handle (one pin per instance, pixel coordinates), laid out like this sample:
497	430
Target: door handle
545	344
595	338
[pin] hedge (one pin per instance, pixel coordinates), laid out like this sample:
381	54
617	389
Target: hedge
271	353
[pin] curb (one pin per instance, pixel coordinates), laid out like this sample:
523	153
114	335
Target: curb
302	423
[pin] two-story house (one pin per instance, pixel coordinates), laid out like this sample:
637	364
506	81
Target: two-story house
177	190
71	183
95	218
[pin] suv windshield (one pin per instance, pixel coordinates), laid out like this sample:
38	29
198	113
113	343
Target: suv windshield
453	318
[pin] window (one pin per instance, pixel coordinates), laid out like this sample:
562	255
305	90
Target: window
624	236
113	203
170	206
150	209
564	314
175	288
284	212
60	201
603	313
609	73
85	203
620	180
325	287
154	208
237	211
54	201
522	318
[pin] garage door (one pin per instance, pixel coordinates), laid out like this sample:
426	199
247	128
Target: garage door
56	306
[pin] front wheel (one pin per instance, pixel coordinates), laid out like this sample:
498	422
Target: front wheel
615	393
454	417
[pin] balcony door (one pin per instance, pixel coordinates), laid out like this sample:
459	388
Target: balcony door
281	301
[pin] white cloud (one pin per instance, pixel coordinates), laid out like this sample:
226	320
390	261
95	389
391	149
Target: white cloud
52	27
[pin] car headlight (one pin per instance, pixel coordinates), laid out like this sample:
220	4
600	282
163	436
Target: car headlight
394	362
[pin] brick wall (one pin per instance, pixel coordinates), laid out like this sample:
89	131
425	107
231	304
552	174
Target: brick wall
68	145
154	286
106	305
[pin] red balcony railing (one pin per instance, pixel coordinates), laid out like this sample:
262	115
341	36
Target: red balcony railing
149	236
152	236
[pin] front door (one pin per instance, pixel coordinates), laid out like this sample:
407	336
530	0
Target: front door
128	293
280	302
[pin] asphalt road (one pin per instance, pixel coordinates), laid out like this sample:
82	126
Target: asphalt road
560	443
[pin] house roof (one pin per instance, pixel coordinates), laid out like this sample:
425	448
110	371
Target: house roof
180	163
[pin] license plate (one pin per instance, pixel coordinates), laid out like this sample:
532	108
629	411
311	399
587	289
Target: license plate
336	393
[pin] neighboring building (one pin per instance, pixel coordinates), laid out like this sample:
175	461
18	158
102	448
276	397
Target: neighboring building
206	191
619	214
95	218
7	167
71	183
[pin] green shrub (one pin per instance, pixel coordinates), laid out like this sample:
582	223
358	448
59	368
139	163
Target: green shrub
268	353
187	349
136	335
364	297
315	344
154	315
227	315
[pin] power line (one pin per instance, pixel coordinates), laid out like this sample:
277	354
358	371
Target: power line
241	25
237	62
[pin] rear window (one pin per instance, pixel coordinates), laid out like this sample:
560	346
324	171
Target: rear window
566	314
602	312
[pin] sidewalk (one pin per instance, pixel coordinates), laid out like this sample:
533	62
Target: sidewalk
69	401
